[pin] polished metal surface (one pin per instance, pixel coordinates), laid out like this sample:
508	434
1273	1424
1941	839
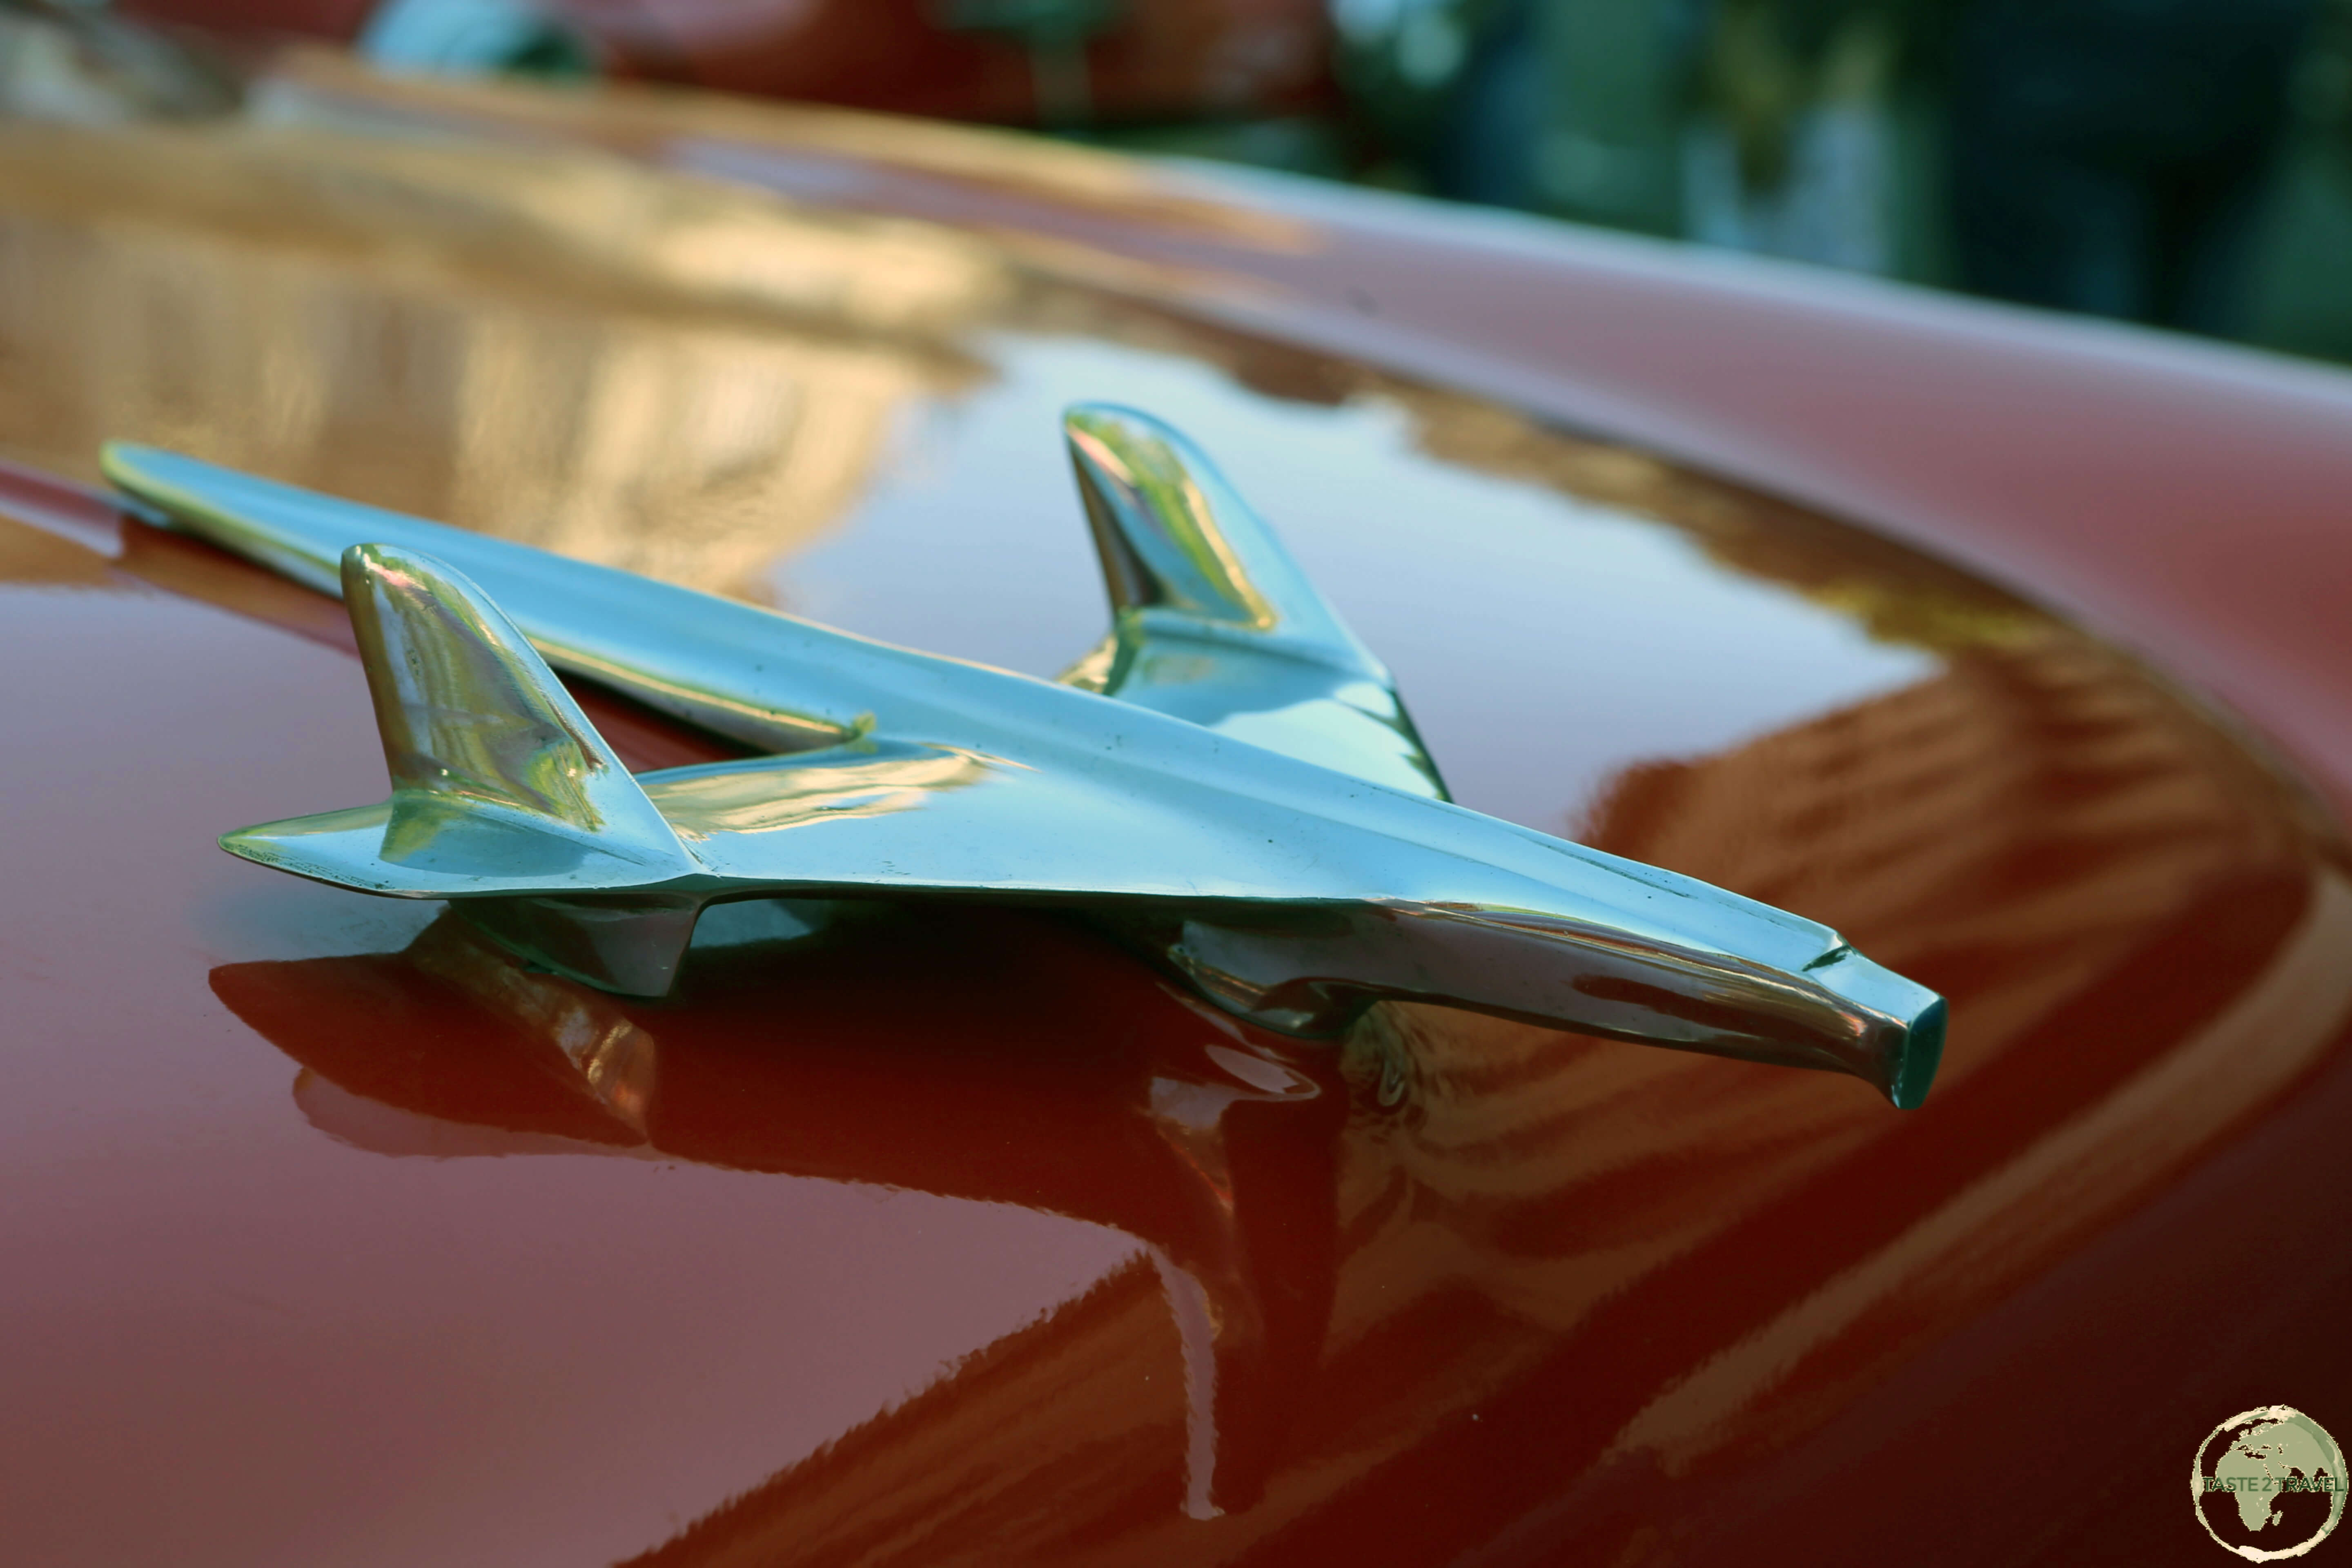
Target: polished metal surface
1231	784
1213	621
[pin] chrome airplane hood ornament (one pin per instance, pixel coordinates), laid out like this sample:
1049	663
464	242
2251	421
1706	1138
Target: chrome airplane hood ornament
1229	781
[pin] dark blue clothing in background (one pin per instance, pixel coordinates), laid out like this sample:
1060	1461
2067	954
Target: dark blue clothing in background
2108	156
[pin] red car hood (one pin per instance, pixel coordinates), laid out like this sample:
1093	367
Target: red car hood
335	1237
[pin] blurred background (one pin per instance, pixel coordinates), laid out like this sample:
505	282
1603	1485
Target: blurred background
2186	164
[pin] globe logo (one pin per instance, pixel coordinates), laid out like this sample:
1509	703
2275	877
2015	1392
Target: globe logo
2268	1484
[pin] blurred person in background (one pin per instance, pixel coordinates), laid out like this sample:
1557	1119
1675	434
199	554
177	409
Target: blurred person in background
2109	156
1794	145
2106	156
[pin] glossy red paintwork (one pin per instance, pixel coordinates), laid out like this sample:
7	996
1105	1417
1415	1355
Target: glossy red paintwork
335	1237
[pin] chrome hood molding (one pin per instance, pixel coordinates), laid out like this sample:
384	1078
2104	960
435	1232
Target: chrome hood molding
1230	782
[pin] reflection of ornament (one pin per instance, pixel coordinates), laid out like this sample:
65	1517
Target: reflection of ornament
1254	809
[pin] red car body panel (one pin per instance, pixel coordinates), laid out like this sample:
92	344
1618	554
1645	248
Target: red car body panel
336	1236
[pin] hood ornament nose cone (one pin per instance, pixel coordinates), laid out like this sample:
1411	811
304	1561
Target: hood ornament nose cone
1229	780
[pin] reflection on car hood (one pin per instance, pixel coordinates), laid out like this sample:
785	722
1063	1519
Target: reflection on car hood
958	1227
